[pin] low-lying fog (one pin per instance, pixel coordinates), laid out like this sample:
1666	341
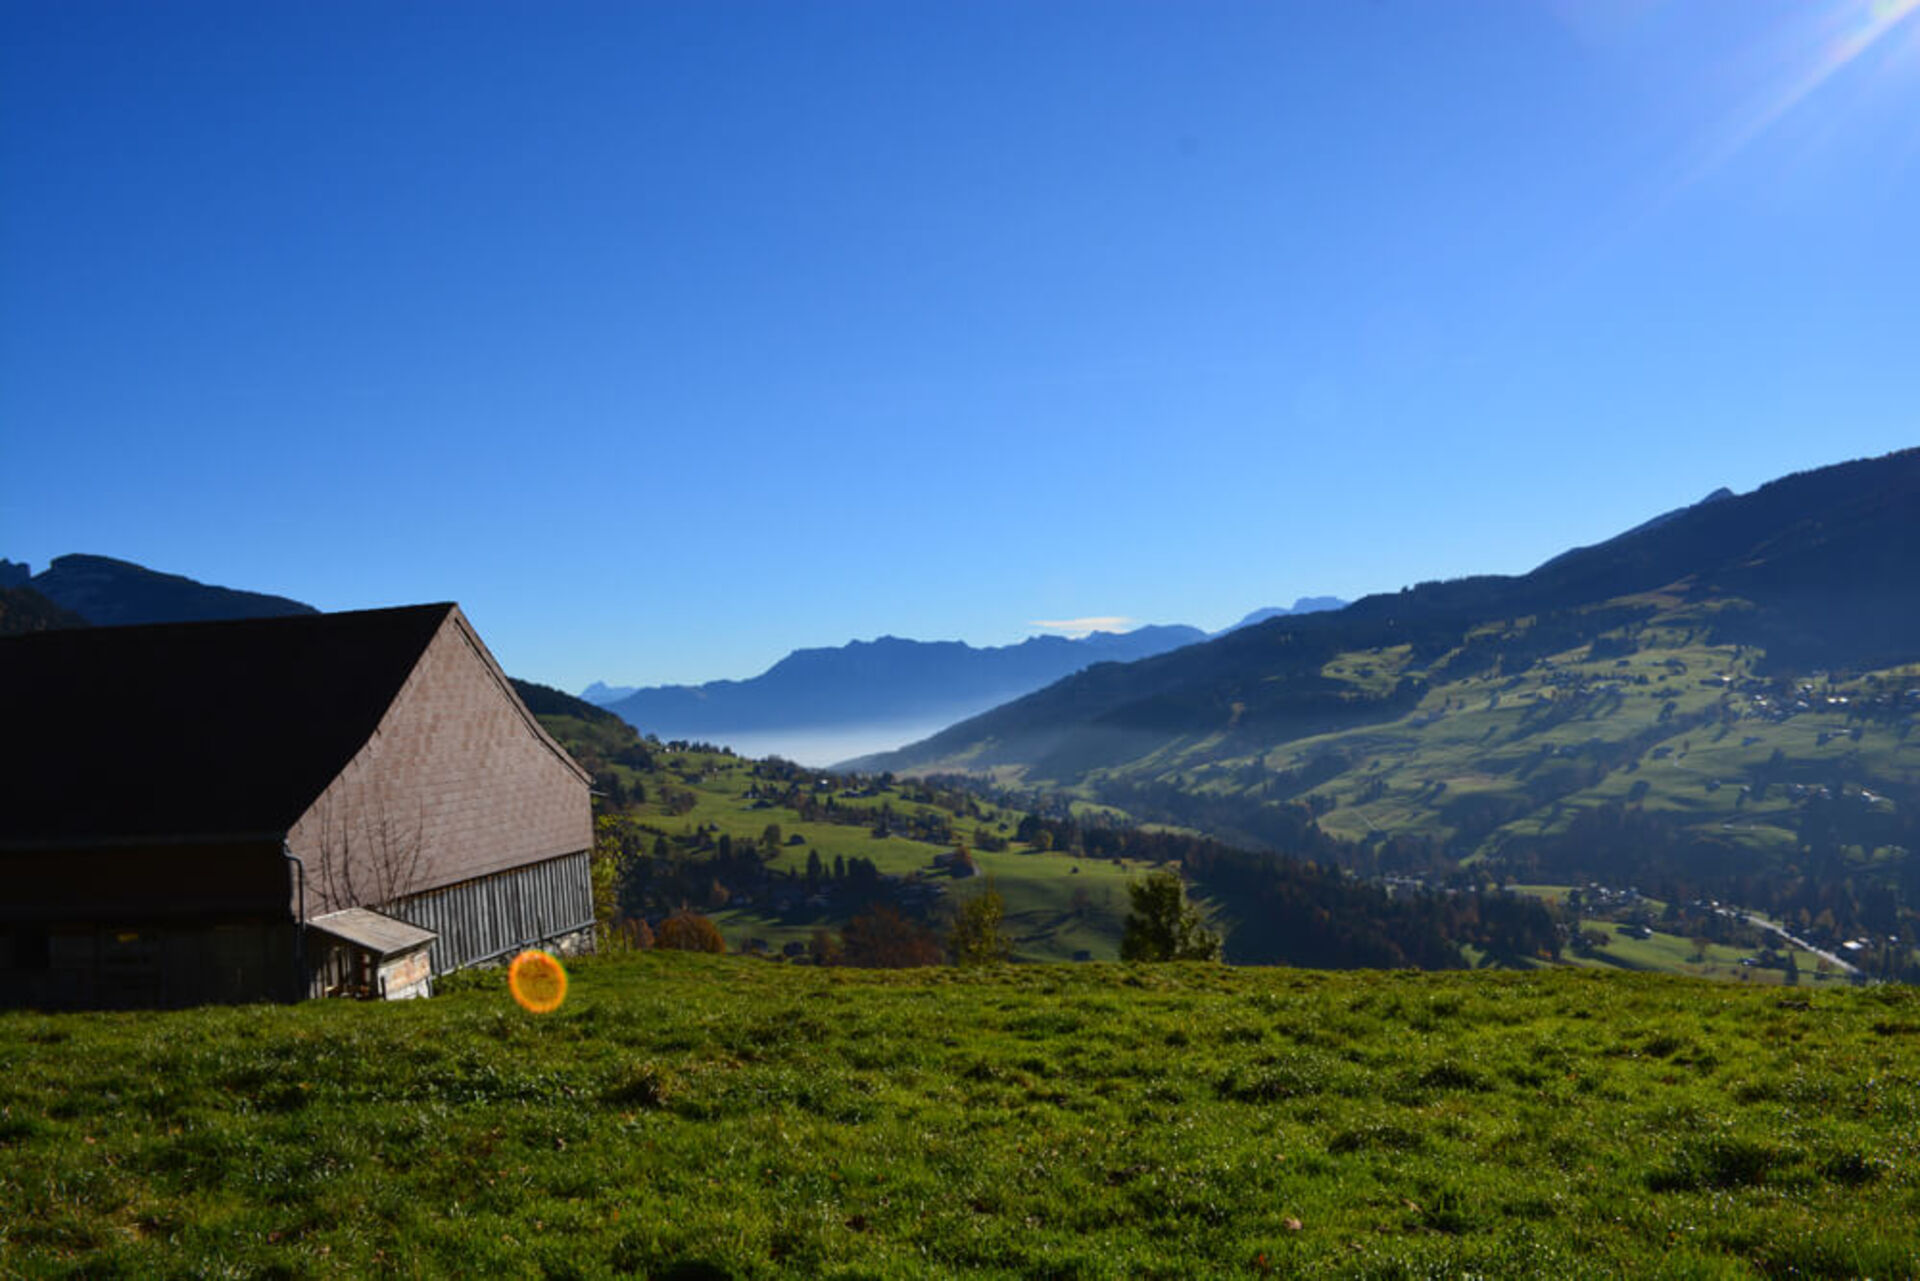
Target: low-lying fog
827	746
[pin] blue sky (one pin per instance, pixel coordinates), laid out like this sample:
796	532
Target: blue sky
669	337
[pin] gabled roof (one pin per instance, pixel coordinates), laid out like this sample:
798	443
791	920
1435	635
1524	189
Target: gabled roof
224	730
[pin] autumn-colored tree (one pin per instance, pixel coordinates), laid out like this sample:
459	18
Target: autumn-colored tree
881	938
823	948
688	931
629	935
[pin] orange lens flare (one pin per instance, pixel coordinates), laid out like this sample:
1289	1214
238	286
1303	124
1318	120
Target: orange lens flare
538	981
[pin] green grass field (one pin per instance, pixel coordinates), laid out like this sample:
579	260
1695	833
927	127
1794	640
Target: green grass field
1670	954
686	1116
1057	906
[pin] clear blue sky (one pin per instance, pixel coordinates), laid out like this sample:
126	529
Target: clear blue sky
669	337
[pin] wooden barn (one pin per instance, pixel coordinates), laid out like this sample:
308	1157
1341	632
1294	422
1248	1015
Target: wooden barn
275	808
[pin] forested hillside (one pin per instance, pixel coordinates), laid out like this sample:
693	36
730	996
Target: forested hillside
785	859
1718	705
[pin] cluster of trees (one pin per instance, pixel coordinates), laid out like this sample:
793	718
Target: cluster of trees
1855	872
1279	909
1299	911
1303	914
1163	926
649	872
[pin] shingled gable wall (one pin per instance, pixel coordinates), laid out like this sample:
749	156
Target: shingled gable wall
458	782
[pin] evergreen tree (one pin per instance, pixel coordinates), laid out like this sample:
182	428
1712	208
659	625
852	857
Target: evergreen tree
1163	925
977	937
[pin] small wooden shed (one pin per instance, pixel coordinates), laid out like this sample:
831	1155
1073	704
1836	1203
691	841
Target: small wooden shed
365	954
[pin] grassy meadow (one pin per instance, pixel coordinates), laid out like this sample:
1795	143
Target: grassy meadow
690	1116
1057	906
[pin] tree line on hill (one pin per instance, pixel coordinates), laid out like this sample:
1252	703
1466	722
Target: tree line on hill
1828	890
1294	910
1279	909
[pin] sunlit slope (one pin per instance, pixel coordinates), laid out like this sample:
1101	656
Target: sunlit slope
1705	667
726	1117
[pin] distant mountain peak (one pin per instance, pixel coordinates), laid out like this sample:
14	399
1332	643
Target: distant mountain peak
600	693
1301	605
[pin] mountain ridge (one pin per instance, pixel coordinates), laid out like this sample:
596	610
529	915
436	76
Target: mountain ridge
1819	556
887	679
892	680
1719	707
108	592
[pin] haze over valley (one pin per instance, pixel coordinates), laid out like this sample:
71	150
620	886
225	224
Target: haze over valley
820	706
650	640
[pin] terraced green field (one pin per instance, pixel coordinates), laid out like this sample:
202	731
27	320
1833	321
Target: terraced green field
686	1116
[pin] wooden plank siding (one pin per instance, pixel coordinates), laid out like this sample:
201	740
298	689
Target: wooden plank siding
490	916
400	772
75	966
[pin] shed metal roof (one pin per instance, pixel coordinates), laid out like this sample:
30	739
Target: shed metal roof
373	931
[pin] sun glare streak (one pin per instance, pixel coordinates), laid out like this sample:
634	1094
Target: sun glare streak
1855	27
538	981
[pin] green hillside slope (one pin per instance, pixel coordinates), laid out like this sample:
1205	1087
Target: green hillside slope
1721	703
685	1116
783	859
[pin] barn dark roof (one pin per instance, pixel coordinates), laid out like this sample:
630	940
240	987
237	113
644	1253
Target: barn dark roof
224	730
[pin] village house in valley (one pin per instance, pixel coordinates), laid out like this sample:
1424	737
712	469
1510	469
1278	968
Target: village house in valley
275	808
